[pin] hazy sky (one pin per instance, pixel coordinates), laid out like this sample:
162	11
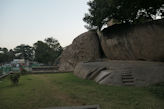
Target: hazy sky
27	21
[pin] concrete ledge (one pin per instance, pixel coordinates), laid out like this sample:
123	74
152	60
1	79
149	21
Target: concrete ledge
3	76
47	72
76	107
120	72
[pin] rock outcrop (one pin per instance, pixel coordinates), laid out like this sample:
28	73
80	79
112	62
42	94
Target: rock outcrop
85	47
134	42
118	42
136	73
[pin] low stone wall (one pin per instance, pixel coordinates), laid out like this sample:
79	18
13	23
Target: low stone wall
47	68
113	72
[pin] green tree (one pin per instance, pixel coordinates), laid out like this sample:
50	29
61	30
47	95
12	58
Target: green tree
5	55
55	46
122	11
11	55
24	52
41	52
48	51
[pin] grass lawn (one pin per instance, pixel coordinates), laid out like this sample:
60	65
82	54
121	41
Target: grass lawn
51	90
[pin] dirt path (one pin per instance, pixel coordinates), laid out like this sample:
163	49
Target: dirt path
65	98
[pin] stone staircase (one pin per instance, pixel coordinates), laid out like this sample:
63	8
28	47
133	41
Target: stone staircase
127	79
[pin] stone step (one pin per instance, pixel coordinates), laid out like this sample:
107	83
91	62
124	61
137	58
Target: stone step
126	74
127	80
127	77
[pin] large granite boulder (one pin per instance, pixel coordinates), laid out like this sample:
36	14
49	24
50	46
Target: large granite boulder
136	73
85	47
134	42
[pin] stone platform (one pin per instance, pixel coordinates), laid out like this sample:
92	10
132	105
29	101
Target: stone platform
117	72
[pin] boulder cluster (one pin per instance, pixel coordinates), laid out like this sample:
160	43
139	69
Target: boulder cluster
132	47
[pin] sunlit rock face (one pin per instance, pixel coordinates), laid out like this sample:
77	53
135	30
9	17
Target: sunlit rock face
134	42
85	47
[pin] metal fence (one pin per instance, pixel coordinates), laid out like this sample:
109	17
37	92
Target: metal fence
5	69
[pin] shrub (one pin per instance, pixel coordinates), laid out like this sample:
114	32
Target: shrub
14	77
23	70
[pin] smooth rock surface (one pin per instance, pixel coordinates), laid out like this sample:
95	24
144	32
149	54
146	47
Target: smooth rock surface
85	47
103	74
144	73
134	42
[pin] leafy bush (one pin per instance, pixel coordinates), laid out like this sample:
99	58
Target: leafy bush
14	77
23	70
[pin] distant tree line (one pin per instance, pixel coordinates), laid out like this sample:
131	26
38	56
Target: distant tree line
45	52
122	11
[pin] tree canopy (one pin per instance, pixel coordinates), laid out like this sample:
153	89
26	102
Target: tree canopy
47	52
24	52
6	55
122	11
